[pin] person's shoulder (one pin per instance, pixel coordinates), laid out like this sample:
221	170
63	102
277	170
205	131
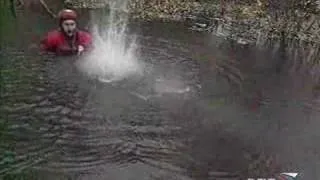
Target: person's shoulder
54	34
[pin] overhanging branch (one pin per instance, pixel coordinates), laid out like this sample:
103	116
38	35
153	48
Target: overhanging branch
44	4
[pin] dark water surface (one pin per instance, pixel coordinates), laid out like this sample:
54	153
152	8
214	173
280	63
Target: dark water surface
67	126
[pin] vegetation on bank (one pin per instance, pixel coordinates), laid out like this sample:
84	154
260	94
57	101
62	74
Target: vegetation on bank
290	24
7	16
297	19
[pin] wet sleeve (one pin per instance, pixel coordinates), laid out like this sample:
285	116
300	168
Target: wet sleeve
86	41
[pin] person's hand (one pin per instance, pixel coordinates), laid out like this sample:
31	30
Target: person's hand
80	49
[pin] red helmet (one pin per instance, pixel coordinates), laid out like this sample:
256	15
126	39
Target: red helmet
67	14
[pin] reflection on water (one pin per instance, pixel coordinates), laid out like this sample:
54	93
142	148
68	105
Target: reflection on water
178	121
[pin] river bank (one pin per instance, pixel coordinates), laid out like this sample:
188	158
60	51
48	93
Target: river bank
287	26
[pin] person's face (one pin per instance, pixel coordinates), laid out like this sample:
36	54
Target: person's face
69	27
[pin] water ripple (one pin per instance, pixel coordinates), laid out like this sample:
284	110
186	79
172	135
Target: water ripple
63	121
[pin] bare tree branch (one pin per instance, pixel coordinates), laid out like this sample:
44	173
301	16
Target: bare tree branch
20	3
44	4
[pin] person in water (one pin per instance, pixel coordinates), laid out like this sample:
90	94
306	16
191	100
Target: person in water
68	39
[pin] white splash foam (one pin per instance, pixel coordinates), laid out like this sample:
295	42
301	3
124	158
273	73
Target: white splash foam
114	57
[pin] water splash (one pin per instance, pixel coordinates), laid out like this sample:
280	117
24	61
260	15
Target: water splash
114	57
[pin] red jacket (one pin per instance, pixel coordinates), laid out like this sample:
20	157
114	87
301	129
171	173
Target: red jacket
57	42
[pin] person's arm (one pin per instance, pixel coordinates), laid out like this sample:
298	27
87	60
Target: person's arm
47	44
86	43
44	45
